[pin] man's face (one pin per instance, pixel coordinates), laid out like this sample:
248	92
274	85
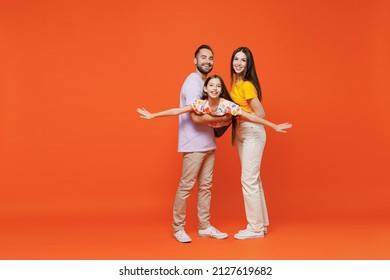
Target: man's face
204	61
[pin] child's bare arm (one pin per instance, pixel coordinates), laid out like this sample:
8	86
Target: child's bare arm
255	118
145	114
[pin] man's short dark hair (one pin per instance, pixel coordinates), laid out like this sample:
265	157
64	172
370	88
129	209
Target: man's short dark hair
203	47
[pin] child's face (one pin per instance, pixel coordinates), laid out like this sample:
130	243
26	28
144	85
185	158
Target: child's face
213	88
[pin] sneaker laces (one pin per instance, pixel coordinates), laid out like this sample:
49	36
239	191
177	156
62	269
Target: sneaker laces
181	233
213	229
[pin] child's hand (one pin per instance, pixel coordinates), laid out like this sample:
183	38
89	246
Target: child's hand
281	127
145	114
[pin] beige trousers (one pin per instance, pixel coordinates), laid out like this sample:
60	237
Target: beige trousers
251	138
196	166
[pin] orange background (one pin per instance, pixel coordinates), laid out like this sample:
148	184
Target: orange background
82	177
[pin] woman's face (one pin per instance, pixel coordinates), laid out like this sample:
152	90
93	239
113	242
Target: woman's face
239	63
213	88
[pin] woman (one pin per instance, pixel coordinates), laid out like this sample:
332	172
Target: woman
250	138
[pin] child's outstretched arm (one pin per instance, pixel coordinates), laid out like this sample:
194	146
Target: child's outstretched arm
255	118
145	114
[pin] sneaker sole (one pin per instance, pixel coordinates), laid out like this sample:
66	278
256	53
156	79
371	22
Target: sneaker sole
247	237
208	235
183	241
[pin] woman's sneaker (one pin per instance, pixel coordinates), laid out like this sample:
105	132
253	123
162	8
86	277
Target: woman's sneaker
248	234
182	236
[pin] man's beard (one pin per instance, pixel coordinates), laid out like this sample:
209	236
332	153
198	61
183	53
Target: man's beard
201	70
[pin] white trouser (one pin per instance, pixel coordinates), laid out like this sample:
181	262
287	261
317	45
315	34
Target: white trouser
251	138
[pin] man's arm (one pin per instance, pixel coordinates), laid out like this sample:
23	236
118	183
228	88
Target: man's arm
214	121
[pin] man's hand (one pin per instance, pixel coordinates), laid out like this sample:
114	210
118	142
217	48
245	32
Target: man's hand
219	124
211	120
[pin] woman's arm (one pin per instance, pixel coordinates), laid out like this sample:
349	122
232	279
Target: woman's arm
145	114
256	106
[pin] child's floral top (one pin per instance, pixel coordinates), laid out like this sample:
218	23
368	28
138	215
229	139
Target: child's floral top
224	107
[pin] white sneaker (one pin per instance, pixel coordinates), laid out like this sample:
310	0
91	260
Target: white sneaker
212	232
265	230
182	236
247	234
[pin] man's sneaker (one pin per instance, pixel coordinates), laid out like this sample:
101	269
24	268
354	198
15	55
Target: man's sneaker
212	232
265	230
182	236
247	234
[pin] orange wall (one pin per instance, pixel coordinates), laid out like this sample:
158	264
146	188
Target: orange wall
73	72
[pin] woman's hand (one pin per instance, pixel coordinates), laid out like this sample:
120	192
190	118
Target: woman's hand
281	127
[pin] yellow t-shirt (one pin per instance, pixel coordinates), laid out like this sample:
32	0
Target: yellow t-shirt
241	93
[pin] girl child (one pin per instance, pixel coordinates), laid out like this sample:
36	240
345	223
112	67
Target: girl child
214	101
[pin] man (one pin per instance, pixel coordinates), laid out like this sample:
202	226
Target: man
197	143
